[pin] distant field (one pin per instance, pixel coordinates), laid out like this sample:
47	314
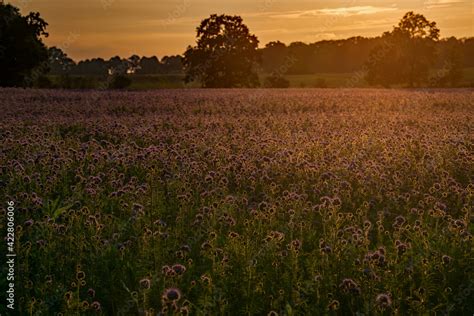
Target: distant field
320	80
240	202
331	80
143	82
354	80
326	80
468	79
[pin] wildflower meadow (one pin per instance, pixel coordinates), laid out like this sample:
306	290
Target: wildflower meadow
239	202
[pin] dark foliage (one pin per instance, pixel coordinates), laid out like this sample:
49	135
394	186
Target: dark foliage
225	55
23	56
120	81
275	81
406	54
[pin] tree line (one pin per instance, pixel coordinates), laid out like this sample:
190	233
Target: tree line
411	54
61	64
349	55
227	54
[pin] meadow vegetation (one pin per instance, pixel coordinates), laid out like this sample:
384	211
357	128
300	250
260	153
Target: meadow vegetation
240	202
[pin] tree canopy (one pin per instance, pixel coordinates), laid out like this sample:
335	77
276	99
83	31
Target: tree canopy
406	54
59	62
225	55
21	48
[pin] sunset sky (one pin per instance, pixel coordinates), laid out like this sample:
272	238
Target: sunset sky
104	28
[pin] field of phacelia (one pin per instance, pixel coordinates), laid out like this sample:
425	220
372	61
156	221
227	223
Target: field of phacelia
240	202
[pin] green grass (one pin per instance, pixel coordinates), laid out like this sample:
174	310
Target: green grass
468	77
146	82
354	80
318	80
331	80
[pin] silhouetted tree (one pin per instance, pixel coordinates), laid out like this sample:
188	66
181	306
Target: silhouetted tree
59	62
95	67
21	48
225	55
299	53
273	56
468	52
148	66
406	54
449	71
117	66
133	63
172	64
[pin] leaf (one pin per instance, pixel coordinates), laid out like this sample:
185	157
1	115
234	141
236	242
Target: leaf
61	210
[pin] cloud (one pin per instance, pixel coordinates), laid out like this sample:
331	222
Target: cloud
325	35
358	10
433	4
343	11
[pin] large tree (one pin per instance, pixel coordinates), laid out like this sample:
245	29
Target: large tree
406	54
23	56
225	55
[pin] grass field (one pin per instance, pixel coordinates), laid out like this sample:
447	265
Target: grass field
354	80
176	81
319	80
240	202
331	80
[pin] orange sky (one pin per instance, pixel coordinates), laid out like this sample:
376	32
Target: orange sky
92	28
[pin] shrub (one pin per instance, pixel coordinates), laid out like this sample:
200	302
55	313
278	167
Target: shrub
76	82
276	81
43	82
120	82
320	83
